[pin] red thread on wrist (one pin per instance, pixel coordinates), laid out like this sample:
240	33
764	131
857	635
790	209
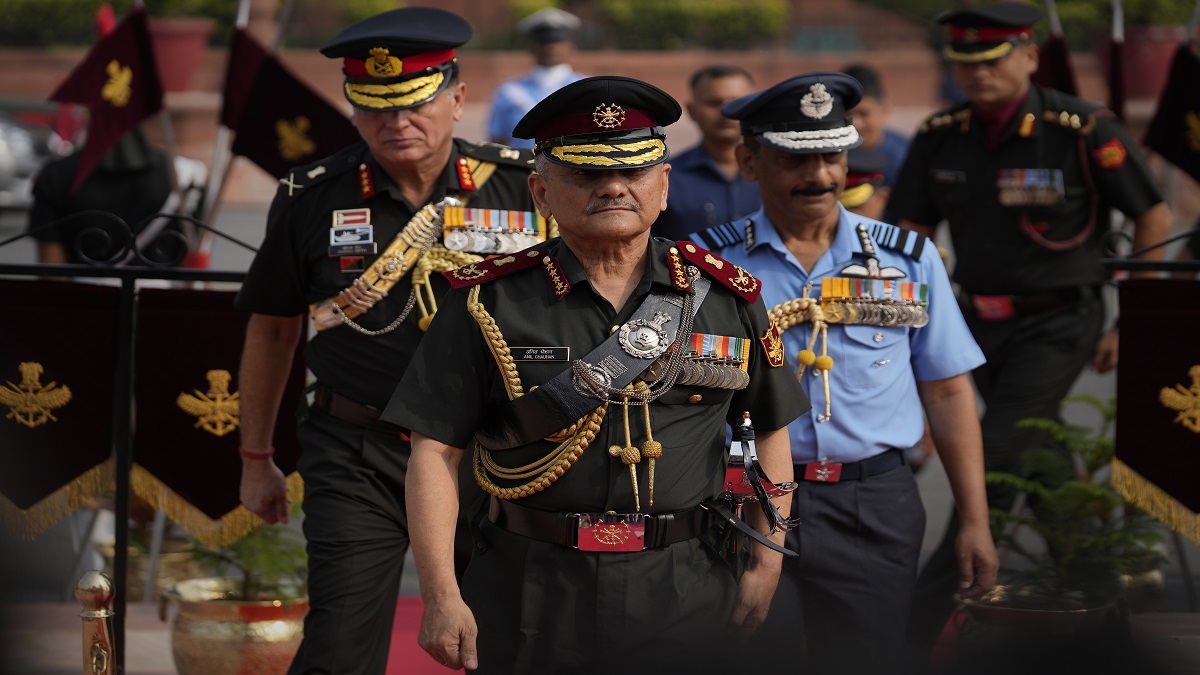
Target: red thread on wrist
256	455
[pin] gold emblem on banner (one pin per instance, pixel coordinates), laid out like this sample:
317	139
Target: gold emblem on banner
118	90
294	142
1186	401
218	409
30	402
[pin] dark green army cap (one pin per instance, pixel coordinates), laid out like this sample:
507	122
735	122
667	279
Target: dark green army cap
606	122
399	59
987	33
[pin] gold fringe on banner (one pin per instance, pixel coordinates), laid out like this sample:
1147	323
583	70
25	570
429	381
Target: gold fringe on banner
1154	500
212	533
30	523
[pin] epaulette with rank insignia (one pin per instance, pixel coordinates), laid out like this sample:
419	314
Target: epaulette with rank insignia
493	268
497	154
728	234
899	239
733	277
946	120
308	175
1082	125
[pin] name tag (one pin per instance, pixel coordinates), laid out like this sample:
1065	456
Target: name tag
540	353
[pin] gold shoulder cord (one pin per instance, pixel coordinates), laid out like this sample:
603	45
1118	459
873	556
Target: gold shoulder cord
544	471
807	310
401	255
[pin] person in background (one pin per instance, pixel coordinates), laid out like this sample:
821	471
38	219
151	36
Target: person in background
706	187
865	193
131	182
561	425
880	344
375	207
1026	179
871	118
548	35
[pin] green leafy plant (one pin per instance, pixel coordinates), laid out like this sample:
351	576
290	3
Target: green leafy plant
712	24
1088	536
270	561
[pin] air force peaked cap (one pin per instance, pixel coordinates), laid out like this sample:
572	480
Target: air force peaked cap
804	114
398	59
987	33
606	122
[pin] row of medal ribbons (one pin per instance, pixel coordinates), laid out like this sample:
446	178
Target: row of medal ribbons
874	302
491	231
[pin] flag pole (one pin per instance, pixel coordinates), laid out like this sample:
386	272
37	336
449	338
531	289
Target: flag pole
222	171
1052	14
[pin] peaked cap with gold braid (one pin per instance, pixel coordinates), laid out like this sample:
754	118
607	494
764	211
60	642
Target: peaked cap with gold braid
987	33
398	59
600	123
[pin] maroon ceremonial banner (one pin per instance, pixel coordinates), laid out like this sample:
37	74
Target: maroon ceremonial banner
283	123
1157	464
1054	66
186	463
1174	132
57	355
118	82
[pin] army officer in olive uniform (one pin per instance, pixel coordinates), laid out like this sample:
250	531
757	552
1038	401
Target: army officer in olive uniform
350	240
550	372
1027	179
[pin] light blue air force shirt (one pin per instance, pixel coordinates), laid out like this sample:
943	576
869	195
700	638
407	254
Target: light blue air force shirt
873	383
515	97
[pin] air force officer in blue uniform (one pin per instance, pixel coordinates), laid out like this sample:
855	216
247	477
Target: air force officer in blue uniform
878	336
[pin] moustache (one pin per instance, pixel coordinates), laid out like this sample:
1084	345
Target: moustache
601	204
813	190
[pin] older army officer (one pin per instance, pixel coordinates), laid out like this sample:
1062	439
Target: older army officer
563	373
1027	180
351	240
875	331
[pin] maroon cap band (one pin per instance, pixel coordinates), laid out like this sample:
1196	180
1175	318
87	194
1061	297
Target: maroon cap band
606	118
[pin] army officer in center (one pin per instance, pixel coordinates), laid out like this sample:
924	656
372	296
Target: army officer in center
551	370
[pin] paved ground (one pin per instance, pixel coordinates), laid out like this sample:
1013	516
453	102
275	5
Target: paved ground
40	571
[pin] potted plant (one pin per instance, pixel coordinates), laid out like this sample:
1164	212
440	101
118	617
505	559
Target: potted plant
1066	554
248	616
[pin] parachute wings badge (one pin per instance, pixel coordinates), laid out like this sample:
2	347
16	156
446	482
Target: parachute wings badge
1186	401
30	402
218	409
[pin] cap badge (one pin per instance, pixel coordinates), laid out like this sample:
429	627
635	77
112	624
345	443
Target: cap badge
608	116
817	102
970	35
382	64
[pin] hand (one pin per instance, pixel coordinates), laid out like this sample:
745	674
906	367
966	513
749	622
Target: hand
755	590
264	490
1105	357
977	561
448	633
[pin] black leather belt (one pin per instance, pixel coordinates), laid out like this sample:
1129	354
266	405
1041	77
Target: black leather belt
832	472
603	532
1025	304
349	410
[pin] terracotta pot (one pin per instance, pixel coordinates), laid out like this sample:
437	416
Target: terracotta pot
179	45
1146	56
214	633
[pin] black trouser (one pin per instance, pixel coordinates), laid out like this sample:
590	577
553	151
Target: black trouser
548	608
848	593
356	527
1032	363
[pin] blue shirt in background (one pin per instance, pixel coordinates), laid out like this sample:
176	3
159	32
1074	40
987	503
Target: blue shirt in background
515	97
701	196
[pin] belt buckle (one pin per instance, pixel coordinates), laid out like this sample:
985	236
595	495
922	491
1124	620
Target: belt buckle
823	472
994	307
611	532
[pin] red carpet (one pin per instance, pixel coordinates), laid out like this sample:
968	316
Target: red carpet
405	657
